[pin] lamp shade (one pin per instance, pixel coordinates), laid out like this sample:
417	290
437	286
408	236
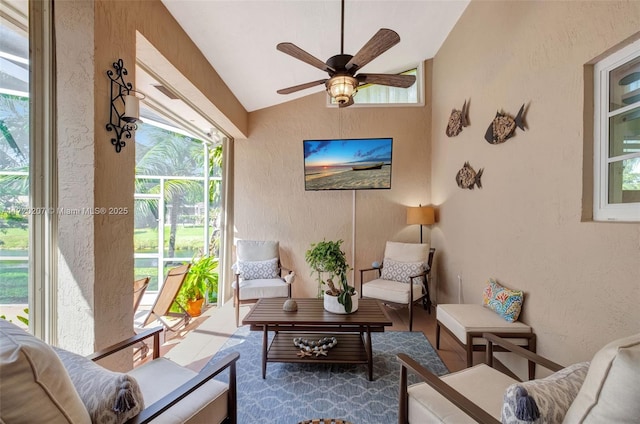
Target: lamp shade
423	215
342	87
131	108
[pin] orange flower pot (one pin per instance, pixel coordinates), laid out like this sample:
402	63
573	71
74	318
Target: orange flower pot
194	307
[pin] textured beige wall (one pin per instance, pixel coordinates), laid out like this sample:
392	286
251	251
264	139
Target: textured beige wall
75	129
270	200
96	252
582	279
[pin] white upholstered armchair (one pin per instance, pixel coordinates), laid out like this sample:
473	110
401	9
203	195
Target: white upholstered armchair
258	273
403	276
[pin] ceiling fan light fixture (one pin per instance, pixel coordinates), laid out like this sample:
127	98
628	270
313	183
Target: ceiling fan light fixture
342	88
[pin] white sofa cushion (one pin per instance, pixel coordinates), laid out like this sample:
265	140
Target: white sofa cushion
258	289
257	250
463	318
158	378
481	384
35	387
110	397
611	390
391	291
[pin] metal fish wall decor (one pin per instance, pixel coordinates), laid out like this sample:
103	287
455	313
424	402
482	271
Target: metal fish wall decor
458	120
503	127
467	177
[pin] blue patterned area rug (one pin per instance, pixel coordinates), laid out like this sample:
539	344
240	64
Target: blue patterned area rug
295	392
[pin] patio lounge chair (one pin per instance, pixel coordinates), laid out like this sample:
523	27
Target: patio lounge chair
166	297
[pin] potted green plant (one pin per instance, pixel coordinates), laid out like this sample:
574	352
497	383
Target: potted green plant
328	257
201	279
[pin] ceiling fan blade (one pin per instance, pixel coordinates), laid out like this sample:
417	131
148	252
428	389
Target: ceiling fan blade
402	81
295	51
295	88
382	41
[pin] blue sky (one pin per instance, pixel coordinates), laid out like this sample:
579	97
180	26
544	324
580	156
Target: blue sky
336	152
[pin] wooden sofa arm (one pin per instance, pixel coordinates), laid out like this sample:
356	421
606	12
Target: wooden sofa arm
452	395
153	332
207	373
362	271
455	397
510	347
370	269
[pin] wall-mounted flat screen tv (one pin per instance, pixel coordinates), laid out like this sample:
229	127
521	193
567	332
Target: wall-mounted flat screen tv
348	164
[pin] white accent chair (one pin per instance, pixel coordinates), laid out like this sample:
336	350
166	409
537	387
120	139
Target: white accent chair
606	390
44	384
403	263
259	273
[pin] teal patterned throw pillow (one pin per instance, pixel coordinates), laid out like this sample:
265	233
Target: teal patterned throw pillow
503	301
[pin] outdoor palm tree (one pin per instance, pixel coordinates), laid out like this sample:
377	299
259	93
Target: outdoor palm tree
14	165
14	132
172	155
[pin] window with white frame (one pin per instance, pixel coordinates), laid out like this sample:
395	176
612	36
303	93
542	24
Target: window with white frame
617	136
383	95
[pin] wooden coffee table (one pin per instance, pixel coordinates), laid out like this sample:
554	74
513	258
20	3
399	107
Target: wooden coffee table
311	321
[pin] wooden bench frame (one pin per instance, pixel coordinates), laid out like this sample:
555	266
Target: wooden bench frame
469	347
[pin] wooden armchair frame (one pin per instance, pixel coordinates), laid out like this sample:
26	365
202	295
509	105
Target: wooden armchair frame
207	373
452	395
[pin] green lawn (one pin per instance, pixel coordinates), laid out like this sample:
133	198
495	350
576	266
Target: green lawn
13	283
14	238
14	274
187	238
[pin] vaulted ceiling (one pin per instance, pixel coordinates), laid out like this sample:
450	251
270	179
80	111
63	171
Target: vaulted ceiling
239	38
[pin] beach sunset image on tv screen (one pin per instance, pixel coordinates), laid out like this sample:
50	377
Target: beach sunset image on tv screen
347	164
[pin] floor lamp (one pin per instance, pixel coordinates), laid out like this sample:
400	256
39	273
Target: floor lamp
423	215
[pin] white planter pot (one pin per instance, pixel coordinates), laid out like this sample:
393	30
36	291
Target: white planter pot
331	304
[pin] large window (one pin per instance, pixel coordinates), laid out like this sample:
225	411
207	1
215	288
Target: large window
617	136
14	159
177	199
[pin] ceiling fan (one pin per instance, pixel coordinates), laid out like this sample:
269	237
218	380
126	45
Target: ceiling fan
343	82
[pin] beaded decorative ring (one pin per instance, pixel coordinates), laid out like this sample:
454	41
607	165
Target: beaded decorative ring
324	343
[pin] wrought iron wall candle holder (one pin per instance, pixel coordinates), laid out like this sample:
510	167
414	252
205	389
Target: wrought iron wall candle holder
124	106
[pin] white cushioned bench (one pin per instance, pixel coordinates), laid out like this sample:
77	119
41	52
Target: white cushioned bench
466	323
